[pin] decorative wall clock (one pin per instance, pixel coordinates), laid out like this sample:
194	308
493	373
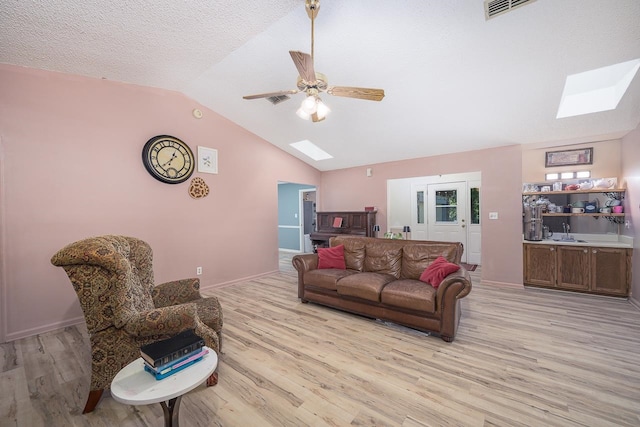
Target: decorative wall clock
168	159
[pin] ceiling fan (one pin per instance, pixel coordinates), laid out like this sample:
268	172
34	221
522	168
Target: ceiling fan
312	82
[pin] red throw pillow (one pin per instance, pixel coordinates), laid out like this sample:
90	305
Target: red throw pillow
331	257
437	271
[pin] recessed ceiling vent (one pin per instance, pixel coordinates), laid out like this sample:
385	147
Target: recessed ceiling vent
493	8
275	100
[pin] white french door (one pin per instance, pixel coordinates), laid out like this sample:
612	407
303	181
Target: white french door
419	229
446	211
441	209
474	229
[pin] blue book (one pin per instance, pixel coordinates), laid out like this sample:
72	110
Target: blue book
177	366
174	362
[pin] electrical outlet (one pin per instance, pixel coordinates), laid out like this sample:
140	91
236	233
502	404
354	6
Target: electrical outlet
198	271
627	224
493	215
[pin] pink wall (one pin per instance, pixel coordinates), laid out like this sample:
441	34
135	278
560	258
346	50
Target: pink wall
631	174
70	167
501	168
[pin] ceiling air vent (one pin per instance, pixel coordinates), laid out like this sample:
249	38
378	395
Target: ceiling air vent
275	100
493	8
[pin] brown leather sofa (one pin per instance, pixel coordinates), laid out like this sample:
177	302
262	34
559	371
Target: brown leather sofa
381	282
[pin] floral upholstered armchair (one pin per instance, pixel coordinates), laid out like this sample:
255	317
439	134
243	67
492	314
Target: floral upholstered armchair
113	278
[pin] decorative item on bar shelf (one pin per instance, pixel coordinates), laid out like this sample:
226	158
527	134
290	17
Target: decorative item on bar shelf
376	230
166	357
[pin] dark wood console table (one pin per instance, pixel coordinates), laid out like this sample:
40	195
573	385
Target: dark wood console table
329	224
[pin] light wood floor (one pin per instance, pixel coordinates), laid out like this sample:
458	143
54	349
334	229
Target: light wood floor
521	358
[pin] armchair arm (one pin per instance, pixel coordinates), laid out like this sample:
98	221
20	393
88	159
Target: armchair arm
304	263
176	292
161	321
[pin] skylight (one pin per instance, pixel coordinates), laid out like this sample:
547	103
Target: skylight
310	149
596	90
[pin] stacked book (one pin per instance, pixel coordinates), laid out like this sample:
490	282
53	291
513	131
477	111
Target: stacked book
166	357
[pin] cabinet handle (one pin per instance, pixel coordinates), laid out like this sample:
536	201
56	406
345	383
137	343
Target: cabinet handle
552	249
595	251
585	251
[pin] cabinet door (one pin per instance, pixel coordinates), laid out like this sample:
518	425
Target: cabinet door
610	272
540	265
573	267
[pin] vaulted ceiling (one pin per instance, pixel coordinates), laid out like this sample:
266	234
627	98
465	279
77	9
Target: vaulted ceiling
454	81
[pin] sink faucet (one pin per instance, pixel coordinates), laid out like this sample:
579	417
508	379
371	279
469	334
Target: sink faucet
565	229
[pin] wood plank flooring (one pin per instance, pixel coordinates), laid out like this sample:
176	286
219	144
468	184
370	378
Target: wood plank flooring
522	357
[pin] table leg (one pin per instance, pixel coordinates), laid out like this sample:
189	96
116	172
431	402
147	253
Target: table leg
171	410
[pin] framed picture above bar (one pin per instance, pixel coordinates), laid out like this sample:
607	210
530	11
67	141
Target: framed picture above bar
583	156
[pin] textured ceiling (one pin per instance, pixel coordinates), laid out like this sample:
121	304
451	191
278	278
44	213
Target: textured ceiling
453	80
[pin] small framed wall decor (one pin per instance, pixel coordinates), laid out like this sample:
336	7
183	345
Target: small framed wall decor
207	160
582	156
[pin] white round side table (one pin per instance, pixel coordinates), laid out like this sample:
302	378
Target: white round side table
135	386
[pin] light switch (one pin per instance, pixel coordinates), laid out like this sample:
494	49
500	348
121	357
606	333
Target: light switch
295	215
493	215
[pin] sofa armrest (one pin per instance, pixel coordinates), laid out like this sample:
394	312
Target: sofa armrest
454	287
304	263
176	292
163	321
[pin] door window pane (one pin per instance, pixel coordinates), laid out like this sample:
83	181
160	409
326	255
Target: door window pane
475	206
446	206
420	204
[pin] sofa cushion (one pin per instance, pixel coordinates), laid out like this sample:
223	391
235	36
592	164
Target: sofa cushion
331	257
383	258
417	257
353	252
364	285
326	278
437	271
411	294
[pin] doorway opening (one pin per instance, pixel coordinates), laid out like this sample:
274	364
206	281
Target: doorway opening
440	207
296	216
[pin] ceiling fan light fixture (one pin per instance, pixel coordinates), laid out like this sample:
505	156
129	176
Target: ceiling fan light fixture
321	109
302	114
309	104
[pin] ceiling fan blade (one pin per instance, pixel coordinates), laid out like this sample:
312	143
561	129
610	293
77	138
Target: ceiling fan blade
304	64
357	92
270	94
